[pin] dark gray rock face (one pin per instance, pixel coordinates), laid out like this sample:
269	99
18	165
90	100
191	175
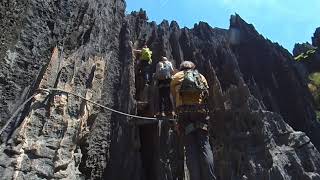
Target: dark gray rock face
310	63
84	47
249	77
52	139
302	48
270	72
316	38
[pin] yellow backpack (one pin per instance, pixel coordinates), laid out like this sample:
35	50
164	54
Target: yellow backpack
146	55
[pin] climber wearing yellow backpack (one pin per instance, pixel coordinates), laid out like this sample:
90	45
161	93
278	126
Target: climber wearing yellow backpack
145	61
190	89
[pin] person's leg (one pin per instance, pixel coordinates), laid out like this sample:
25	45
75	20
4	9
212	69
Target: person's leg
166	96
161	98
206	156
192	156
147	78
146	72
167	100
144	69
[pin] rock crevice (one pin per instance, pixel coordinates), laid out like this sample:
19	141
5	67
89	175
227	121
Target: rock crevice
262	124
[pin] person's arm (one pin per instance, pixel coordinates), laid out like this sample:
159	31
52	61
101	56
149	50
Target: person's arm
171	69
175	71
173	85
137	50
206	93
204	81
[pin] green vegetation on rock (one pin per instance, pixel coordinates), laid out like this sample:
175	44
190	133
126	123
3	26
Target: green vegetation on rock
314	87
306	55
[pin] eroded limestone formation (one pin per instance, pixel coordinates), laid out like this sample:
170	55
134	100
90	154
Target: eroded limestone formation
262	122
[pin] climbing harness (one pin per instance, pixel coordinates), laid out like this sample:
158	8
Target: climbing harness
150	120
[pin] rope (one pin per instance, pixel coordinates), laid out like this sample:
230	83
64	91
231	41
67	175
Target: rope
102	106
150	119
16	113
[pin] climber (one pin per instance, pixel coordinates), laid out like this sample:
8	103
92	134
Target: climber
144	64
164	71
190	90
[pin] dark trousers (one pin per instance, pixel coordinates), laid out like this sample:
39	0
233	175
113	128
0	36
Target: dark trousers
199	154
164	95
145	69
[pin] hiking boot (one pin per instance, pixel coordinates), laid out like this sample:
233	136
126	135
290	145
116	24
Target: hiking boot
170	113
157	114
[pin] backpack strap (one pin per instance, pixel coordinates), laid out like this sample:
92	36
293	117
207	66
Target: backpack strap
199	80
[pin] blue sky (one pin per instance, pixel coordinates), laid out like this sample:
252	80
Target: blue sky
284	21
